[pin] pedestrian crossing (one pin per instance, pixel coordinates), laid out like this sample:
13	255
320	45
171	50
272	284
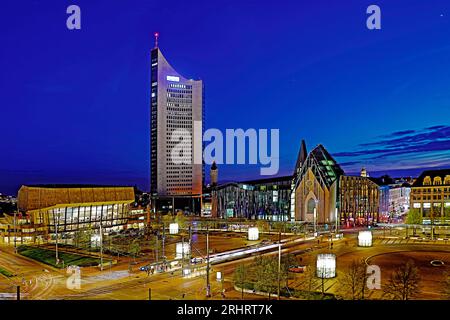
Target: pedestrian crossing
398	241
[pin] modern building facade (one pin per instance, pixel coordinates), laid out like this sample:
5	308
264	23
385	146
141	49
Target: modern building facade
394	197
399	199
257	199
177	114
45	210
430	197
358	201
318	192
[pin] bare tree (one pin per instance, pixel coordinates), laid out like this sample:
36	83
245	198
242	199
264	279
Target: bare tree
180	218
354	280
404	282
286	262
266	271
135	249
309	281
240	277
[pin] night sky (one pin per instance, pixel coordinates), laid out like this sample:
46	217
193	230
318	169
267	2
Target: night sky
74	105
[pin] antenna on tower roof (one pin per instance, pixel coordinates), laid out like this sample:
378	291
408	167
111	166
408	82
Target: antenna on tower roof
156	39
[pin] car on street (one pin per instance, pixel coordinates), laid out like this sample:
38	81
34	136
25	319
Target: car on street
197	260
297	269
145	268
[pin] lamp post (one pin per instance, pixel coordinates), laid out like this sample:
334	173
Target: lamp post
314	221
15	232
208	291
156	246
182	253
164	242
56	243
101	247
190	244
336	216
315	217
279	264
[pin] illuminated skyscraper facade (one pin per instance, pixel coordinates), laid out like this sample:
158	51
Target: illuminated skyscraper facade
176	122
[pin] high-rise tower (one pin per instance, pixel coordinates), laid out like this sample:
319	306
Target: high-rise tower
176	119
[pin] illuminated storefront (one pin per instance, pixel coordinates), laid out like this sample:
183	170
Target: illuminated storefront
430	198
47	210
262	199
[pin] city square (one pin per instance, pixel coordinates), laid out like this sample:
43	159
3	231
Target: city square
205	153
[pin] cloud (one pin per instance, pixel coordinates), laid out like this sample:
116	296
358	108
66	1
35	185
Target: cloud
403	148
349	163
400	133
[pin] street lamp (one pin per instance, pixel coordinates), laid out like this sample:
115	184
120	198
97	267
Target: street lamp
253	234
15	233
326	266
182	249
365	238
173	228
208	287
336	217
56	243
315	217
101	247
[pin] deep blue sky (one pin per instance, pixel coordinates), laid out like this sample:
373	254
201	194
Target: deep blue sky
74	105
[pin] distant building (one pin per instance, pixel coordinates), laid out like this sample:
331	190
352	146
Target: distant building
257	199
8	204
213	173
394	197
359	201
430	196
399	198
364	173
43	209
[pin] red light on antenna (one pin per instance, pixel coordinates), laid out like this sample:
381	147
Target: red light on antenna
156	39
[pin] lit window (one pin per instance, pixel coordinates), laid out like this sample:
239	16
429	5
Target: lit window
437	181
173	78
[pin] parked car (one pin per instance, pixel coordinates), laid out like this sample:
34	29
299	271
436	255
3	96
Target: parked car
297	269
197	260
145	268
